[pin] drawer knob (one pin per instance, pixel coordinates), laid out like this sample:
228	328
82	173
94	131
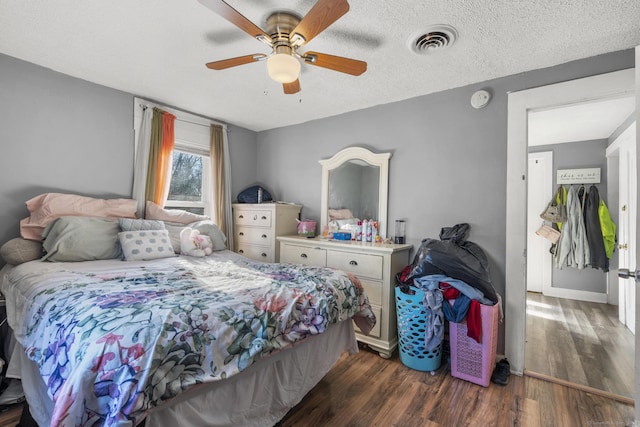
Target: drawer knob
264	236
240	251
241	233
353	263
241	216
264	217
303	256
263	255
255	217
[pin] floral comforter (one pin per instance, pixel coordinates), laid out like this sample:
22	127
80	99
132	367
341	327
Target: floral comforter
115	339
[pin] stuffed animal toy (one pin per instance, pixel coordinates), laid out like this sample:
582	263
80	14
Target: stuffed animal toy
193	243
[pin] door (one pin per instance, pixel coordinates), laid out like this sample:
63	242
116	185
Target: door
539	192
637	243
627	208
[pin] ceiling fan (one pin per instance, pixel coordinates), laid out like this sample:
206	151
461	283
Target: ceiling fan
285	34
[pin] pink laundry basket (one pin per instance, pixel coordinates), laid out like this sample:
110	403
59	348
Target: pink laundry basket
470	360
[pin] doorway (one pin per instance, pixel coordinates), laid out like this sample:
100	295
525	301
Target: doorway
572	331
606	86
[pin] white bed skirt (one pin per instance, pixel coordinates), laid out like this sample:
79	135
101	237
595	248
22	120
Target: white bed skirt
260	396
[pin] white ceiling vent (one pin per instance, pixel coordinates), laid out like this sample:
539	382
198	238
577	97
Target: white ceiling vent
436	38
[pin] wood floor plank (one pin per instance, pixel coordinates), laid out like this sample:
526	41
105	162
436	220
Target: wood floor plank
579	341
365	390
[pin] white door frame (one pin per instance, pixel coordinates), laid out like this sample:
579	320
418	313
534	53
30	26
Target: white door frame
539	259
636	421
610	85
619	149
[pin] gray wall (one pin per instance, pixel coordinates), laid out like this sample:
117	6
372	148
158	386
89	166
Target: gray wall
242	152
579	155
449	161
59	133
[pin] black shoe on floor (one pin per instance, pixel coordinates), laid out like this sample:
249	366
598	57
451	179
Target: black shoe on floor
501	372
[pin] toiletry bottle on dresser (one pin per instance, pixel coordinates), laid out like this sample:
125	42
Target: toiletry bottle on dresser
359	231
365	224
369	231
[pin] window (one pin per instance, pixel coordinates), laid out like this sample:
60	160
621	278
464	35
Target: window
190	183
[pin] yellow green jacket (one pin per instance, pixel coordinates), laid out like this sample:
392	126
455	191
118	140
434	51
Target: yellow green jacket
608	229
607	225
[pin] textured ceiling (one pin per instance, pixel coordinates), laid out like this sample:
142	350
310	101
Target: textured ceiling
157	49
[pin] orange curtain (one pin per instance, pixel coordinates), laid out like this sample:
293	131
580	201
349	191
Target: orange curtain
165	157
160	156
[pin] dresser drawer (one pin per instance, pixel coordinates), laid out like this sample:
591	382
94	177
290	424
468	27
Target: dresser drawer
373	291
258	236
260	253
306	255
362	265
260	218
375	331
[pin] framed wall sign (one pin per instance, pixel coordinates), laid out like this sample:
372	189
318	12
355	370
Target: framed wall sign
578	176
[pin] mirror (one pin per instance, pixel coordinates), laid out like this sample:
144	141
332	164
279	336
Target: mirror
358	180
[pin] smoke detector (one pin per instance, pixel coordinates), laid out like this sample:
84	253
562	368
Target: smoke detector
436	38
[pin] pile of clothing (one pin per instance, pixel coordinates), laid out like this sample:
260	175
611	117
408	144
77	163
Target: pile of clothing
451	268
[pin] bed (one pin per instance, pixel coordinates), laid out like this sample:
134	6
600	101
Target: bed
190	341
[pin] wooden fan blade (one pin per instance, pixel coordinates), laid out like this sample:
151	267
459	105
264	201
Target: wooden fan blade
335	63
291	88
234	62
321	15
235	17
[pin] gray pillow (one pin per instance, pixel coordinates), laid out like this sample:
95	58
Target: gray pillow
77	238
17	251
174	230
131	224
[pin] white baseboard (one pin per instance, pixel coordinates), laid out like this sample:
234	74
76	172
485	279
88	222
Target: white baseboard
575	294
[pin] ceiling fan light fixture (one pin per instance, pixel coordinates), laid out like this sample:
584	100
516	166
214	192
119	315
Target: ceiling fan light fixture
283	67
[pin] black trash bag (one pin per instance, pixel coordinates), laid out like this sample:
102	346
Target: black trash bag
455	257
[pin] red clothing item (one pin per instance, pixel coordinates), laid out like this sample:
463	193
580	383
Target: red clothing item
474	317
448	291
474	321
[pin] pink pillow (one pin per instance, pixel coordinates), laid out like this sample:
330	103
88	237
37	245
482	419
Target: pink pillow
339	214
49	206
180	216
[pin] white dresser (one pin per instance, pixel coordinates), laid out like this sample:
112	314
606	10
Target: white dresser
375	264
256	226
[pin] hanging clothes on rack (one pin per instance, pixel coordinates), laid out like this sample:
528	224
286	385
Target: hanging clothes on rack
594	230
573	247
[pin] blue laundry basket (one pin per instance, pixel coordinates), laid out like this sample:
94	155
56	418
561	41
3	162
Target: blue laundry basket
412	321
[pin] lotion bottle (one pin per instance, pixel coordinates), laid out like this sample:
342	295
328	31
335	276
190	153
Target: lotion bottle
365	224
368	229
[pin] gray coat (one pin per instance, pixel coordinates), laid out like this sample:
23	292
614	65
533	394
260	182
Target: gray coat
573	247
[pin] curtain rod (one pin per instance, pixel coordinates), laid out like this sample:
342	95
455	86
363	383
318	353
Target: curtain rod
224	125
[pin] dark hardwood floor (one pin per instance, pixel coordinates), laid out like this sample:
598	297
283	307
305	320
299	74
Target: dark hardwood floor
366	390
580	342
